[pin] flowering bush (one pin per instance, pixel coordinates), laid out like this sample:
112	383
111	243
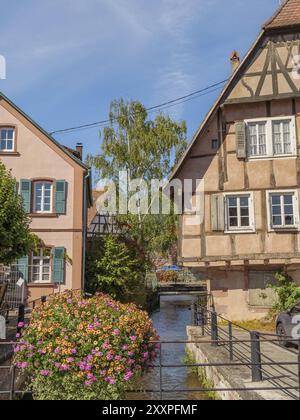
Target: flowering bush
78	349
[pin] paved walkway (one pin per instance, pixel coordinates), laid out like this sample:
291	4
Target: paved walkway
275	375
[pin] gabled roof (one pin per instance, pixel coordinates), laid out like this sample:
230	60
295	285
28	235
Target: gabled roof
217	104
38	127
287	15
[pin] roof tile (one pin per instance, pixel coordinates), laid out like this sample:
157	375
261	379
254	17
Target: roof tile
287	15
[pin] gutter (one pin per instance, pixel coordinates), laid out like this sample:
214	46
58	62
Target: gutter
86	199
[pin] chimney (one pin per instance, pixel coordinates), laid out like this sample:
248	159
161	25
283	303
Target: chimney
235	60
79	149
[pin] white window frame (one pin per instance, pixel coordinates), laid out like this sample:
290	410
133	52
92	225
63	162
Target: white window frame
13	140
41	259
269	137
296	225
42	211
241	229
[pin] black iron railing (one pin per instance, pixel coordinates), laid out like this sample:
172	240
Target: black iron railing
245	349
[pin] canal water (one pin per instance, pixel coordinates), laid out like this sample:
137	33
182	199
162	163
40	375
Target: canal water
170	321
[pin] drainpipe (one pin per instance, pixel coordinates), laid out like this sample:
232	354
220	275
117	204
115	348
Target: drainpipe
85	179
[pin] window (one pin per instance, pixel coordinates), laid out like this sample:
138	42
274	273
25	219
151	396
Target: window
272	137
283	210
43	197
282	137
257	139
41	266
215	144
7	139
239	212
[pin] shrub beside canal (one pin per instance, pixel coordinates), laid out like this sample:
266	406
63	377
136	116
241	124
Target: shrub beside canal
79	349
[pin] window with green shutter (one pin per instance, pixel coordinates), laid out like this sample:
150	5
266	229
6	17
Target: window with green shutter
58	265
25	191
60	197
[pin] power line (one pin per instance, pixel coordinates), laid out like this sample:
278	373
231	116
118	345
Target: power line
160	107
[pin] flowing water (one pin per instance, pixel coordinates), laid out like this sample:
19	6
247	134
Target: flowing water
171	321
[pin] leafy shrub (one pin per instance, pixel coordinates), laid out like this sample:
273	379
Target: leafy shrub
167	277
113	268
78	349
287	292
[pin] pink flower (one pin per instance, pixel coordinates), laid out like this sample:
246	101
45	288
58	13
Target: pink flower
45	373
74	351
22	365
116	332
21	324
133	338
128	376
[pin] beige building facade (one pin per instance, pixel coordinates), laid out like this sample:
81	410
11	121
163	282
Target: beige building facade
56	192
247	153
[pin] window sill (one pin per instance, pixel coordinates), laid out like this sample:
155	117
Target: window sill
44	215
42	285
236	232
254	158
9	154
284	229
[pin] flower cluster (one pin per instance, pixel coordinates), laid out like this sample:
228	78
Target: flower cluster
95	346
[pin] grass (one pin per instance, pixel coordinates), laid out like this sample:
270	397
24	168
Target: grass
264	325
201	374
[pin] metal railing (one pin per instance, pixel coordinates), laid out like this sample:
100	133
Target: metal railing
13	277
245	349
252	349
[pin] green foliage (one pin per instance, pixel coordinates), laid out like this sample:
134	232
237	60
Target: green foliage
146	149
157	234
85	349
201	375
287	292
15	237
113	267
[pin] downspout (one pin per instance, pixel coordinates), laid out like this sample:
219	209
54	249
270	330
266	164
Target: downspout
84	247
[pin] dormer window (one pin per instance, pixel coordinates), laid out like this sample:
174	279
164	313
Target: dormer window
7	139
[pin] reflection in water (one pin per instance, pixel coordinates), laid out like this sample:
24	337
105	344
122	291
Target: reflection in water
171	321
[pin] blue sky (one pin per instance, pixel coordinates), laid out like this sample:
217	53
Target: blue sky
67	59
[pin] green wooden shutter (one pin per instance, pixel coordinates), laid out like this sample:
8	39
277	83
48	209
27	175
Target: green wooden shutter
25	191
60	197
217	213
23	267
58	265
240	133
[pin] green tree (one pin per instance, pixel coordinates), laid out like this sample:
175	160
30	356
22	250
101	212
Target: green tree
286	291
146	149
113	267
15	237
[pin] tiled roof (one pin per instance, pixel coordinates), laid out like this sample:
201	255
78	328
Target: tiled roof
287	15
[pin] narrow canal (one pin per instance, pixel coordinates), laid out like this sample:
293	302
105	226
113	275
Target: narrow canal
171	321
